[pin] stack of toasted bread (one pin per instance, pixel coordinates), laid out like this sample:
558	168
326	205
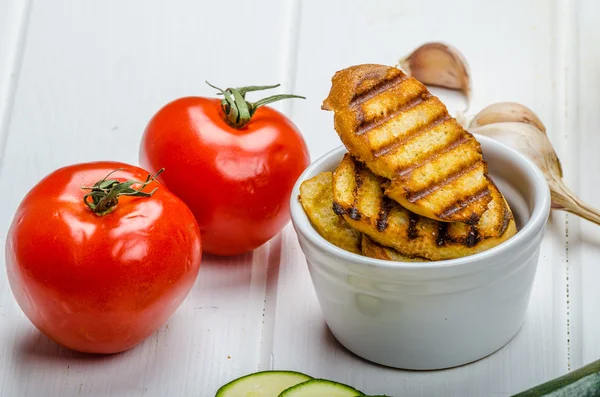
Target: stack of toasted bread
414	185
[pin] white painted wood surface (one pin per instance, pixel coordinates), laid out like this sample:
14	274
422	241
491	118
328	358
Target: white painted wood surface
584	246
79	80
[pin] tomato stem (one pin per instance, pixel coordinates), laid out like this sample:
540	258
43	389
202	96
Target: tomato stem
238	111
105	193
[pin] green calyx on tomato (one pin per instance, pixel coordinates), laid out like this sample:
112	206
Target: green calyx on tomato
238	112
105	193
236	181
232	162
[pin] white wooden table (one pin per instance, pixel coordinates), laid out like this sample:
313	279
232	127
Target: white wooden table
80	79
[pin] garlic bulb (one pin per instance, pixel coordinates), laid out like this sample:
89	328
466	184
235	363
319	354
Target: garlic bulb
516	125
528	139
441	65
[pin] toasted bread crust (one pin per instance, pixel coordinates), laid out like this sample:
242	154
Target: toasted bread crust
392	123
358	195
373	250
316	197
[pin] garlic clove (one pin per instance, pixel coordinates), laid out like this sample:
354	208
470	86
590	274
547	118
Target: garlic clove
535	144
526	139
506	111
441	65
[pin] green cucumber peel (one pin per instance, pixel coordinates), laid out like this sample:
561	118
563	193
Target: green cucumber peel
321	388
262	384
582	382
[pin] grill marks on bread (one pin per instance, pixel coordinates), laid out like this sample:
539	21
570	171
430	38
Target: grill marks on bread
359	197
316	197
401	132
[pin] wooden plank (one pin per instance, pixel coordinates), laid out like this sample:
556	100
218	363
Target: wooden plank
88	78
93	74
13	23
513	58
584	247
566	275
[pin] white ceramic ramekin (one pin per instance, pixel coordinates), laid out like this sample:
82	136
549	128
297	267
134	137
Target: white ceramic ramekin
431	315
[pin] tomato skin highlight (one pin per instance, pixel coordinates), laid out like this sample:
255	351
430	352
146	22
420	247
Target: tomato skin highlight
100	284
237	182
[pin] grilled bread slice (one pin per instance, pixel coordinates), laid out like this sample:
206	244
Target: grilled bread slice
316	197
373	250
358	196
392	123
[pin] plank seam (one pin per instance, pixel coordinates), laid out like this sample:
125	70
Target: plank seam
568	292
258	290
566	142
288	68
13	79
289	61
270	304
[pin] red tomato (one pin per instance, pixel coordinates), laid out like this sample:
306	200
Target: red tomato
236	180
100	283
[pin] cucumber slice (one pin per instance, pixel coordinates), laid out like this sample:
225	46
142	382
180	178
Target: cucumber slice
321	388
262	384
582	382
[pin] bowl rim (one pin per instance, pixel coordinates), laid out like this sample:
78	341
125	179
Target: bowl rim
535	223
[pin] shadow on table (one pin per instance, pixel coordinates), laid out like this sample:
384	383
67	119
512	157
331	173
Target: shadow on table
37	346
41	366
239	271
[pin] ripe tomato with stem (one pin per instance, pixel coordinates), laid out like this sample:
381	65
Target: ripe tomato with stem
99	255
233	162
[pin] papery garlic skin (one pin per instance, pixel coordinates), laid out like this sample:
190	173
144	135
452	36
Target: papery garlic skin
441	65
511	123
535	144
506	112
525	138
